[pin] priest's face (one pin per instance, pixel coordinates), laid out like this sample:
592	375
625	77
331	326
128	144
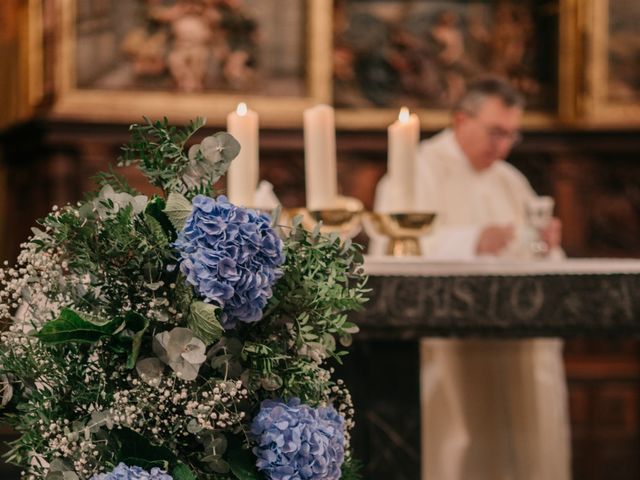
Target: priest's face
488	134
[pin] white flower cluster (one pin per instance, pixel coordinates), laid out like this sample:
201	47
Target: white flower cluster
172	408
216	409
32	292
343	403
73	444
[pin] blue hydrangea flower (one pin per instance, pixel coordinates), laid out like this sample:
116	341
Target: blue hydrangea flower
297	442
124	472
231	255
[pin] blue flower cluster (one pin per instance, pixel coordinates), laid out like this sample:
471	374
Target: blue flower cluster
124	472
231	255
297	442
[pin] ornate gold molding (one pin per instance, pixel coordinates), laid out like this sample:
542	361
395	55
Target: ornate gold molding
20	59
127	106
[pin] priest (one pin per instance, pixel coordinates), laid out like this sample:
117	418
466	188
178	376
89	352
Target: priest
491	409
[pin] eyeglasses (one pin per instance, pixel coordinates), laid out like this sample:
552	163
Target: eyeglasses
497	134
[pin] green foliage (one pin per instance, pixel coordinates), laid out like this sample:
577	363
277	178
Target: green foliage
116	289
203	321
55	381
155	209
351	469
177	210
243	464
70	327
118	182
158	148
211	159
122	253
322	282
182	472
136	449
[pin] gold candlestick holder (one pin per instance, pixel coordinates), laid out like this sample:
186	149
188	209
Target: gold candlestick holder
344	219
404	230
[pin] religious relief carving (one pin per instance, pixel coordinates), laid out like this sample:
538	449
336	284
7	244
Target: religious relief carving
196	41
389	53
116	60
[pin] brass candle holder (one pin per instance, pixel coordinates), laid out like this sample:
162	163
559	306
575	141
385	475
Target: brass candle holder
404	230
344	219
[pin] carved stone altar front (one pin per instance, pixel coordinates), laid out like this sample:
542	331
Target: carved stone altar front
572	297
411	299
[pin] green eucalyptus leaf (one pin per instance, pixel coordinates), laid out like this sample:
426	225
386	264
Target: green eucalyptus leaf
182	472
243	464
216	464
60	470
210	160
71	327
193	426
220	361
178	209
220	149
66	475
203	320
219	444
271	382
216	442
99	420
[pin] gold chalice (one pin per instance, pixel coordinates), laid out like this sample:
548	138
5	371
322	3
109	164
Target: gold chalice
403	229
343	218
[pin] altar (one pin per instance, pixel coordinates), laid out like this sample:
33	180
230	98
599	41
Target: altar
413	298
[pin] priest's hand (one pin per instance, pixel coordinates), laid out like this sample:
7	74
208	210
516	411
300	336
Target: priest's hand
494	238
552	233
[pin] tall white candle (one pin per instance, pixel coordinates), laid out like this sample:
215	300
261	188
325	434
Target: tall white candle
320	157
404	135
242	177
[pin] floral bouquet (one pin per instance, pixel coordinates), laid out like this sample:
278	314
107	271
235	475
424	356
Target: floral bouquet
178	336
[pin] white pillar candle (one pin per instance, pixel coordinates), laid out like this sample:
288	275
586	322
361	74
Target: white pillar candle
320	157
404	135
243	174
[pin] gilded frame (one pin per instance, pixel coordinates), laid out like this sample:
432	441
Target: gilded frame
21	59
595	107
127	106
565	114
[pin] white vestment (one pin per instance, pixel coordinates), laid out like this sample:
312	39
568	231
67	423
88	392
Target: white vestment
491	409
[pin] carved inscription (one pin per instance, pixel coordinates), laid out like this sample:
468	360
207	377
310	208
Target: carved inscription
513	305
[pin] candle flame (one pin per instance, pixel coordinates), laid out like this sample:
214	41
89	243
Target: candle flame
404	115
242	109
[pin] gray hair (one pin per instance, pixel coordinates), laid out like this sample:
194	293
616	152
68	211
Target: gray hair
490	86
